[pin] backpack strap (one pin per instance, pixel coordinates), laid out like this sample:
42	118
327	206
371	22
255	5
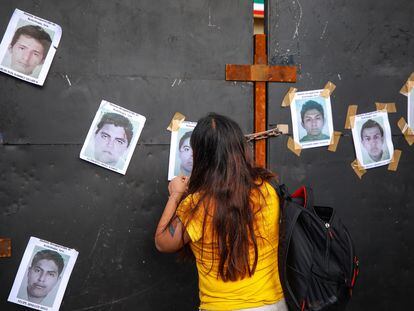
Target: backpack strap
304	197
281	190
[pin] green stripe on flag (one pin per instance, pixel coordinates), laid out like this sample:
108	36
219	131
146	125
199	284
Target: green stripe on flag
258	1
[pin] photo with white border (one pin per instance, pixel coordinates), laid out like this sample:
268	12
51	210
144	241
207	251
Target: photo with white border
311	119
372	139
28	47
43	275
181	154
112	137
410	109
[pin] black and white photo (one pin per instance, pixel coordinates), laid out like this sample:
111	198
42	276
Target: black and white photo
28	47
181	153
372	139
43	275
112	137
311	119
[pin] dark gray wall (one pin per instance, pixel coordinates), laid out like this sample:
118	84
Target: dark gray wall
154	58
366	48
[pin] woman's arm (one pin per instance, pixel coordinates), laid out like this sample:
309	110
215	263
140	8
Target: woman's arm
171	239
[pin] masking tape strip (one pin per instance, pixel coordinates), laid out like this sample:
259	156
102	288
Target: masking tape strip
328	89
334	141
294	147
5	247
176	121
352	110
290	95
358	169
406	130
284	128
388	107
408	85
395	160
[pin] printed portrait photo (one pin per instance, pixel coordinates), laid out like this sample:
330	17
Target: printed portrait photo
28	47
372	139
112	137
43	275
311	119
410	109
181	153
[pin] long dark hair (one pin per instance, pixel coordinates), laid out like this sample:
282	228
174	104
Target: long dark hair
224	175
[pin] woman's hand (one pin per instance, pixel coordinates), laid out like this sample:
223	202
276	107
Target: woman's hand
178	186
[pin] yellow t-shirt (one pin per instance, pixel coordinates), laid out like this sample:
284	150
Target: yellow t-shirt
263	287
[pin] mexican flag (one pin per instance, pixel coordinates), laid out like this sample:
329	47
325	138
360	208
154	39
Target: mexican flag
258	8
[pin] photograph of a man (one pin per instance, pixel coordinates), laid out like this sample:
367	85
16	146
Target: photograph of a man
181	153
185	155
43	274
372	139
28	48
112	138
313	121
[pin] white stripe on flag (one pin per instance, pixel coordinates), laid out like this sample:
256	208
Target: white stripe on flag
258	7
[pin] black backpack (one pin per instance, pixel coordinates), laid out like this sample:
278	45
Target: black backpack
317	262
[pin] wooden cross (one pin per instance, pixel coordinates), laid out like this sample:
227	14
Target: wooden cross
260	73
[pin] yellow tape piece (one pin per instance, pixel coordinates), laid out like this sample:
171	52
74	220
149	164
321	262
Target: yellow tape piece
388	107
328	89
395	160
290	95
334	141
176	121
350	116
358	169
406	130
284	128
407	87
294	147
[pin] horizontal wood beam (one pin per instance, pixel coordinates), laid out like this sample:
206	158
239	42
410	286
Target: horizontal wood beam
260	73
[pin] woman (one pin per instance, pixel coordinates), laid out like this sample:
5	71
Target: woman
229	215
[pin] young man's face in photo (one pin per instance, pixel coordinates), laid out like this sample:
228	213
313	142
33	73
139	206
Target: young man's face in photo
372	140
41	278
26	54
111	143
186	156
313	122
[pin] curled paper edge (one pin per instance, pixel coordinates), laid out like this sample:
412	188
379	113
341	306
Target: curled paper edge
350	116
328	89
290	95
406	131
388	107
393	166
334	141
358	169
176	121
408	85
294	147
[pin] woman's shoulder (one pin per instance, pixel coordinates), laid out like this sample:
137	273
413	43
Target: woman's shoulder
265	190
190	202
